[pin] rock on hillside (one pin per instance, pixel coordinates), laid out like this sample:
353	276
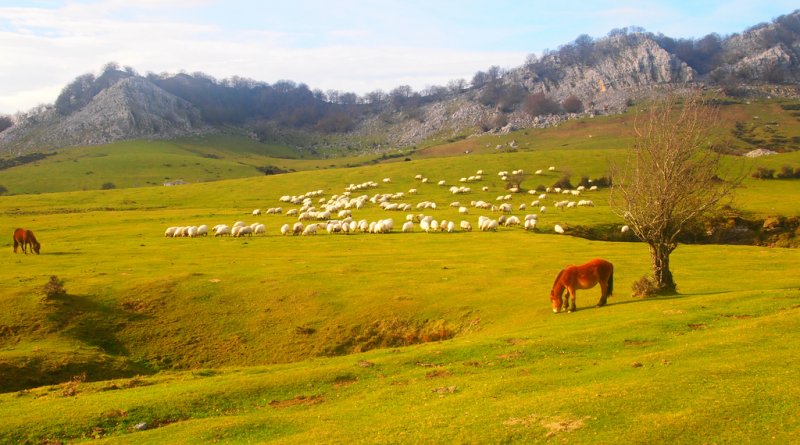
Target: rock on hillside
131	108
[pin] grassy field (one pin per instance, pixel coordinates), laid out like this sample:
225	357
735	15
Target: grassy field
394	338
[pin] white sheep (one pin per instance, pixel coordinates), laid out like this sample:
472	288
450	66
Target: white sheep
408	226
625	229
221	229
512	221
310	229
286	229
256	212
298	228
463	210
465	226
202	230
170	232
558	229
450	226
243	230
530	224
260	229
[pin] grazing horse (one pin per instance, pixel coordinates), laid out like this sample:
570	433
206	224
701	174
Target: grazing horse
25	238
585	276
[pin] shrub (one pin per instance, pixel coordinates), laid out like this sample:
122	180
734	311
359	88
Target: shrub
537	104
787	172
563	183
54	288
572	104
763	173
108	186
644	287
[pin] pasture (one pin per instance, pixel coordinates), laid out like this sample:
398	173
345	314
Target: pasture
386	338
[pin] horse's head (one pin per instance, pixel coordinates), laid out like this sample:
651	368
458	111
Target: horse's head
36	246
555	300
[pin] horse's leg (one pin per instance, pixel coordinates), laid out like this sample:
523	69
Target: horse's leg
572	307
603	293
16	244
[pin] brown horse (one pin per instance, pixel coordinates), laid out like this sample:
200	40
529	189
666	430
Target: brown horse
585	276
26	238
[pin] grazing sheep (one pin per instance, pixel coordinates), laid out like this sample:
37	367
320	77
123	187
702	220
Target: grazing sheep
256	212
221	229
451	226
298	228
310	229
170	232
585	203
505	207
625	229
530	224
202	230
522	206
485	188
260	229
286	229
551	168
463	210
537	172
243	230
558	229
511	221
465	226
408	226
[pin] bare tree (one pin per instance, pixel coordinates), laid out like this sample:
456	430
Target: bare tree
670	177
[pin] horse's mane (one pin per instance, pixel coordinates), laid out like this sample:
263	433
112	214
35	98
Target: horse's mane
556	281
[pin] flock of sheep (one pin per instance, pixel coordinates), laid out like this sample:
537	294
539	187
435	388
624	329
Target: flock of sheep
334	215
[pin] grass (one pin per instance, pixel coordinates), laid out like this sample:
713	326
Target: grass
396	338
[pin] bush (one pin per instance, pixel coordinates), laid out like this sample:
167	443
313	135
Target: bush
763	173
54	288
563	183
537	104
644	287
572	104
787	172
108	186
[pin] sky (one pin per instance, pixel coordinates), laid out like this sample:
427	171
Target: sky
347	45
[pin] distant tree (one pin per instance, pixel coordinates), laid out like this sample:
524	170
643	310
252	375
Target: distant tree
5	123
110	66
670	178
76	94
479	79
572	104
537	104
456	85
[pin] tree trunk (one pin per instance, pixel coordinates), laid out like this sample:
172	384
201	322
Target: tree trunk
659	254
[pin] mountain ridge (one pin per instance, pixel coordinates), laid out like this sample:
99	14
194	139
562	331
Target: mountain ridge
587	76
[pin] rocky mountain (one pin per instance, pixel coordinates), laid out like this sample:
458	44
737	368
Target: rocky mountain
593	76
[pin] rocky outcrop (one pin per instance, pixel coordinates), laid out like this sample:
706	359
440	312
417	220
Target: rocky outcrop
131	108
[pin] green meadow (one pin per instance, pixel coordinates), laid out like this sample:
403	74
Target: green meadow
380	338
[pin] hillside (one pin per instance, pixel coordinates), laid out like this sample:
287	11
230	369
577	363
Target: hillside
387	338
584	77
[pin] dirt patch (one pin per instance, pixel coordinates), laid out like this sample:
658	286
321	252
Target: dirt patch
628	342
737	317
561	425
553	425
511	355
697	326
438	373
298	400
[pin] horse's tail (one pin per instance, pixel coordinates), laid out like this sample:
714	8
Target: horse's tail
611	282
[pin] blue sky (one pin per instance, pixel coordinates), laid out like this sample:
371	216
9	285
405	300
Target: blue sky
350	45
